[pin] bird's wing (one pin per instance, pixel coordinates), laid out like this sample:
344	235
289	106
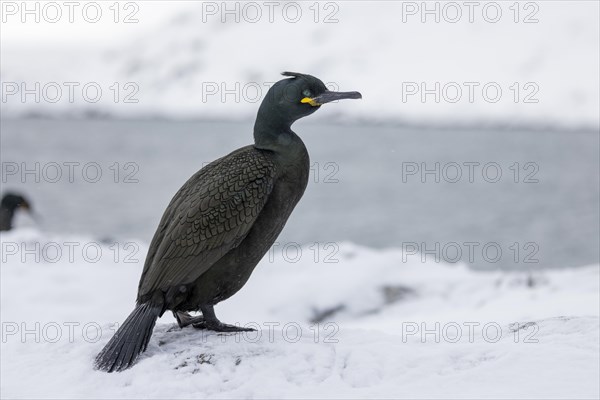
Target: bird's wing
210	215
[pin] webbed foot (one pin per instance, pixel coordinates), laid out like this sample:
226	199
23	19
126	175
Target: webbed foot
218	326
210	322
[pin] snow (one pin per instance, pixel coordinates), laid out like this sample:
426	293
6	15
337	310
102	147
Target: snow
195	66
525	334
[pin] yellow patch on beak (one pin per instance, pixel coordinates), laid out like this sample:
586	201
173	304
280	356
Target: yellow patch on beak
309	101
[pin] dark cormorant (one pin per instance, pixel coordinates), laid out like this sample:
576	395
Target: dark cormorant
11	202
222	221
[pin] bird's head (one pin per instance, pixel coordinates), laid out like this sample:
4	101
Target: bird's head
291	99
302	94
12	202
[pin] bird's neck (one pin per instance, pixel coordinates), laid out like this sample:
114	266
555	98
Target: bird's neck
271	136
272	131
289	150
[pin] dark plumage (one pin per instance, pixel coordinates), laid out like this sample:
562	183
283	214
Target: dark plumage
11	202
222	221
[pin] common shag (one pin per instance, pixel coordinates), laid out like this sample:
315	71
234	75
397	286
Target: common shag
11	202
222	221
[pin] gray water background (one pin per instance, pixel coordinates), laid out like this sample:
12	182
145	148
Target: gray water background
357	191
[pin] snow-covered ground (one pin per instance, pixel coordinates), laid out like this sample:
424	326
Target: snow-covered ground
533	63
387	327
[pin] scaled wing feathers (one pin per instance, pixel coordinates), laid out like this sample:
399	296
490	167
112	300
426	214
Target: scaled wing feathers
210	215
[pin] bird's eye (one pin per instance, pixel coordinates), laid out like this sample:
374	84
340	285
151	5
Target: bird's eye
307	93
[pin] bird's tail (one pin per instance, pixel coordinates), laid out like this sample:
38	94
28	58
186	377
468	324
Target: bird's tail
130	340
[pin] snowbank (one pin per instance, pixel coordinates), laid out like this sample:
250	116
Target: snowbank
386	328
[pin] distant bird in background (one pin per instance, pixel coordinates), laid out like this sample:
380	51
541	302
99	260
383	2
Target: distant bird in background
11	202
222	221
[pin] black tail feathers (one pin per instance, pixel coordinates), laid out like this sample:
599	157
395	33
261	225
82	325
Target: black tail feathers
130	340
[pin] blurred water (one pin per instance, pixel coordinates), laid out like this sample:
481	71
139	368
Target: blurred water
360	189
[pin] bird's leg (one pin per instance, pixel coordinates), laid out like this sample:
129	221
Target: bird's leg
211	323
185	319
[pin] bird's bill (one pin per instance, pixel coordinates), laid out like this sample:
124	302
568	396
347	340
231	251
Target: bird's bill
329	96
